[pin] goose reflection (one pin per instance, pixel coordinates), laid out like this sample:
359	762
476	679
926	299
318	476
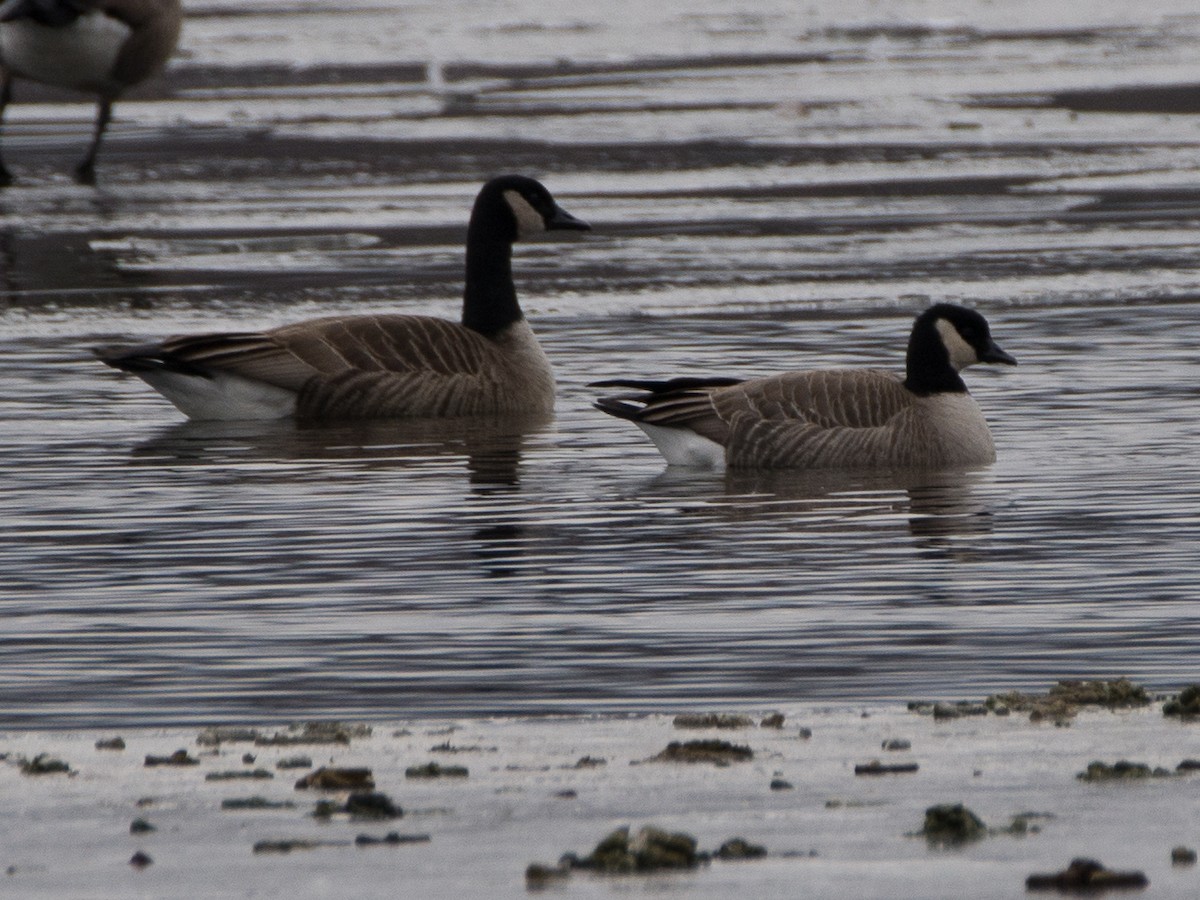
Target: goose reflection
940	506
491	449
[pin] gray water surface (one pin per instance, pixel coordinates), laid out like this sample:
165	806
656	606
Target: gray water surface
770	189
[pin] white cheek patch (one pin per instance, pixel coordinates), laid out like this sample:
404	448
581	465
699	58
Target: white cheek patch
529	220
961	353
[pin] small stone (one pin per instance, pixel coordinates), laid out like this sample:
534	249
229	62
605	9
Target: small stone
240	774
392	838
1186	705
436	770
566	795
295	762
44	764
248	759
1183	856
712	720
141	826
178	758
876	767
328	778
1121	770
140	860
896	744
780	784
220	734
804	734
115	743
704	751
538	875
740	848
1085	875
590	762
952	824
372	805
946	711
774	720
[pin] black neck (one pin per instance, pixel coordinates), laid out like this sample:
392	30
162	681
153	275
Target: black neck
928	369
490	298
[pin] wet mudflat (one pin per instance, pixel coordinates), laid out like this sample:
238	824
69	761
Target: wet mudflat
769	189
304	812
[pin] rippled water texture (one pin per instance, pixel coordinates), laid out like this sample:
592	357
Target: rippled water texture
771	187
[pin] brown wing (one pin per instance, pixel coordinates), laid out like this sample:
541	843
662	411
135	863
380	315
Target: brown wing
361	366
827	398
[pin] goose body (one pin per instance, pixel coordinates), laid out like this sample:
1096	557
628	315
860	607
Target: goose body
100	47
829	418
379	366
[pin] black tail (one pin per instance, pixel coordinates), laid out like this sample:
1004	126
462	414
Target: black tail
147	358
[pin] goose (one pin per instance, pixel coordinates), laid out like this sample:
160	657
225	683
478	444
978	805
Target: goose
829	418
100	47
380	366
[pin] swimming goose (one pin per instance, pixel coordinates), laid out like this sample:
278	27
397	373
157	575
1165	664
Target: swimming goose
380	366
101	47
829	418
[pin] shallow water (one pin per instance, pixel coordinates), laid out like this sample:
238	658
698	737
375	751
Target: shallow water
770	189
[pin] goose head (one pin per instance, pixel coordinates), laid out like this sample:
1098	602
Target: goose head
945	340
516	207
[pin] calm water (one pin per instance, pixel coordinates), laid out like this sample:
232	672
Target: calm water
770	189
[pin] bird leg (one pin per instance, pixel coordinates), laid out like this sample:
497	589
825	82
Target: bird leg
85	172
5	96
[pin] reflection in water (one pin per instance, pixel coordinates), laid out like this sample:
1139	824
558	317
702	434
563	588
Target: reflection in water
940	507
491	448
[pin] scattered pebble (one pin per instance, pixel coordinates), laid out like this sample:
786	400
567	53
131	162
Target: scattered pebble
436	770
248	774
44	764
1085	875
248	759
704	751
223	734
952	823
392	838
876	767
330	778
774	720
712	720
295	762
780	784
590	762
651	849
360	805
178	758
447	747
895	744
1183	856
314	733
115	743
1122	769
140	860
740	848
141	826
1186	705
